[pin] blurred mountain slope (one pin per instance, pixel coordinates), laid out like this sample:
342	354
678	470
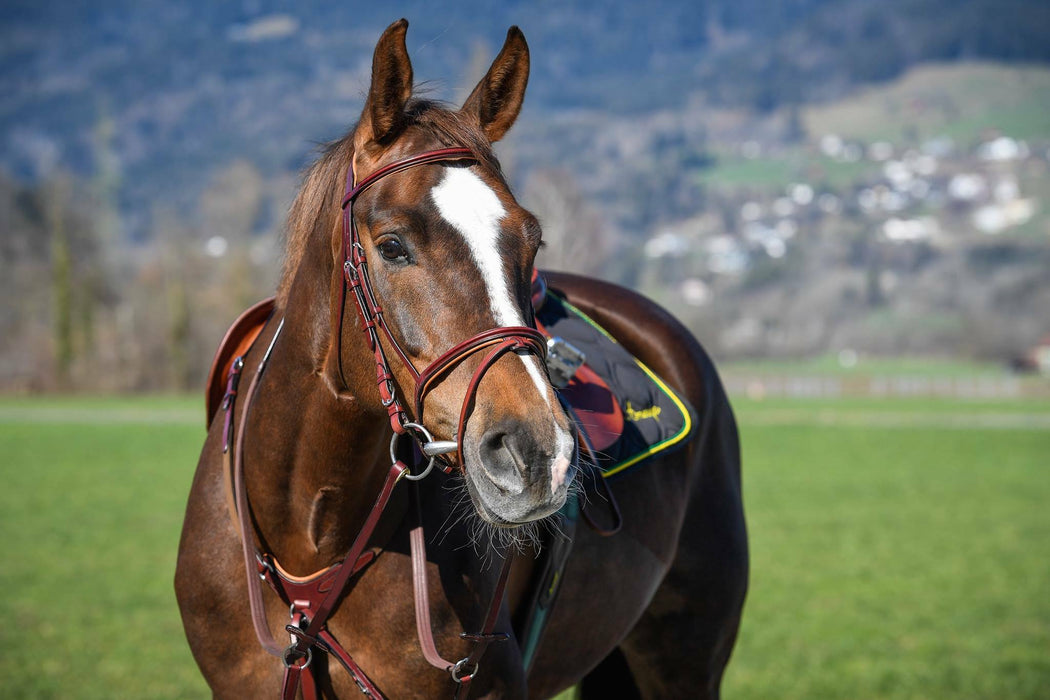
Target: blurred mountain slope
192	85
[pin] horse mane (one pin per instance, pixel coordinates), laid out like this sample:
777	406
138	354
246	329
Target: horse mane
311	216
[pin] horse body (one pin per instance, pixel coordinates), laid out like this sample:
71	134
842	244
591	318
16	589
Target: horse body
655	607
667	589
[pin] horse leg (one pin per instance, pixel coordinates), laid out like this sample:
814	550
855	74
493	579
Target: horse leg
681	644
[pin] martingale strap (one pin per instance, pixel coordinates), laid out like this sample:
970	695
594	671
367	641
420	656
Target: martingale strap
297	656
312	599
464	670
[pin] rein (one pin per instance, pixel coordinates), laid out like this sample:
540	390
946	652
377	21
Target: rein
313	599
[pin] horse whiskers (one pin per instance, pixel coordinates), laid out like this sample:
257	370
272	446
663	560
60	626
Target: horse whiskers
552	525
576	488
459	500
492	543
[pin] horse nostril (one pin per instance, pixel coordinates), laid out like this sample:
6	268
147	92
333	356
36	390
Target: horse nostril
502	461
510	447
492	441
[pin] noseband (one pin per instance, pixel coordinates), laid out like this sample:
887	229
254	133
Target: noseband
496	341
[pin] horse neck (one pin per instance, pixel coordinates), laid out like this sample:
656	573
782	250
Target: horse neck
316	451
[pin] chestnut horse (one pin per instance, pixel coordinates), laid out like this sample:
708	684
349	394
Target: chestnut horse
650	612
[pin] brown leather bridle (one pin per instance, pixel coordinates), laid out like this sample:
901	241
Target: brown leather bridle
312	599
497	341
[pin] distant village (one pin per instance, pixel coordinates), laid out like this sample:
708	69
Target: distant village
934	194
922	250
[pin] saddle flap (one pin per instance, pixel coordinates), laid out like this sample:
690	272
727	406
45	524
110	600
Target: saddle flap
237	341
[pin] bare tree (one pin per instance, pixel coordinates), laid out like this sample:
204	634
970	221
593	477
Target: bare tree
574	235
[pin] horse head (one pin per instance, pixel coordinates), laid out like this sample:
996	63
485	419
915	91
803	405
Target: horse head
447	254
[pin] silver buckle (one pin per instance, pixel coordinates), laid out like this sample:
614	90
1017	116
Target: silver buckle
563	360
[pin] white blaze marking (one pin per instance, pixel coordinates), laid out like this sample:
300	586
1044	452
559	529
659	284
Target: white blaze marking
473	209
466	202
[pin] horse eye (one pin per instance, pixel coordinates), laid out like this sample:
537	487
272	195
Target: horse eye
392	250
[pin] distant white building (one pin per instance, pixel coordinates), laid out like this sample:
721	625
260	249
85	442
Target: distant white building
666	244
998	217
725	255
910	230
1002	149
967	187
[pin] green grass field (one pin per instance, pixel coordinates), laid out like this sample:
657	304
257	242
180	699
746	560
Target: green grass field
895	562
894	555
90	515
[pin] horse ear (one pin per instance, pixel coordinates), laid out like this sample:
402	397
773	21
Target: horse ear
384	113
496	101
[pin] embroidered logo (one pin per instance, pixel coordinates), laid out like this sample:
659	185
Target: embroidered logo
634	415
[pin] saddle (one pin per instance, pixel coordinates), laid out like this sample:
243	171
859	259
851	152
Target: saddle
625	410
238	340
